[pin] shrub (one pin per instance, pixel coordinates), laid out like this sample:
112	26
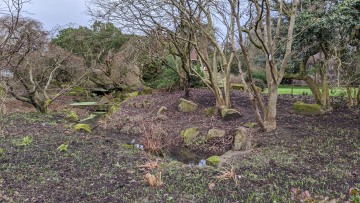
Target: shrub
152	137
167	79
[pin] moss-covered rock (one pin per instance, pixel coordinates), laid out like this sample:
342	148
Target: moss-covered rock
211	111
230	114
187	106
132	94
250	125
146	90
190	134
309	109
215	133
240	139
82	126
236	86
213	160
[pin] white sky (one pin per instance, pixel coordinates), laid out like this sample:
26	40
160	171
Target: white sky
53	13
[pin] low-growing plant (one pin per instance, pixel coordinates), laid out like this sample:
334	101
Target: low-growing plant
26	141
72	116
1	151
63	147
305	196
82	126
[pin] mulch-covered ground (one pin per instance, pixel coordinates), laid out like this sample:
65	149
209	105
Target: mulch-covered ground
316	153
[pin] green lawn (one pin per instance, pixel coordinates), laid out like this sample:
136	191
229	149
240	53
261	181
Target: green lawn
304	90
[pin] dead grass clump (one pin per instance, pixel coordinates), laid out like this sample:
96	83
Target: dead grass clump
151	165
228	175
153	137
154	180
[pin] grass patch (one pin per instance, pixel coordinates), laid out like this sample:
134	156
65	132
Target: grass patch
304	90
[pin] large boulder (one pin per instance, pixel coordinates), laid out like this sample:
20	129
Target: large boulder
215	133
242	139
187	106
230	114
189	135
307	109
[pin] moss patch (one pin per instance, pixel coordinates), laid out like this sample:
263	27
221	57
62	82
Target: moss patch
312	109
72	116
82	126
213	160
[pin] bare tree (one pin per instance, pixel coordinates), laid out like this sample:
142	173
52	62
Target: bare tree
266	38
34	63
10	10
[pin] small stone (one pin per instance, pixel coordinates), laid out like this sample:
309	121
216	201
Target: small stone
215	133
187	106
250	125
230	114
190	134
162	110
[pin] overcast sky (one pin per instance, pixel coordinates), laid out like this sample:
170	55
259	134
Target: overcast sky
54	13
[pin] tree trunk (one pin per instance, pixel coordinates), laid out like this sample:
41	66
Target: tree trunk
227	88
270	114
325	98
314	88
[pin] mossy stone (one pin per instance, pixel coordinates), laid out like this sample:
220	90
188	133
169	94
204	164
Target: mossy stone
82	126
132	94
240	139
215	133
187	106
229	114
250	125
146	90
213	160
311	109
237	86
189	135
